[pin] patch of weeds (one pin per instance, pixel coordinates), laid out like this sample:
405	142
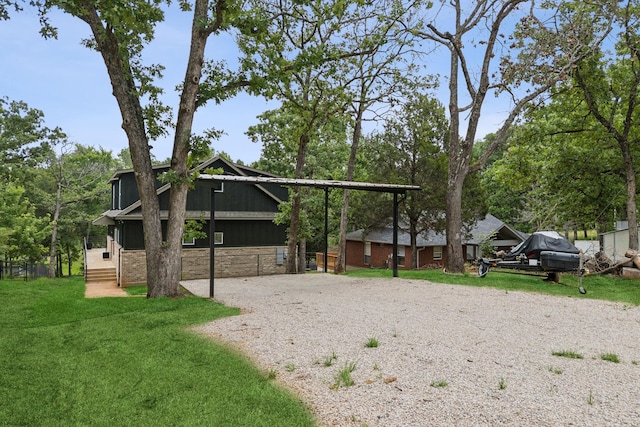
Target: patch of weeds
395	333
502	384
376	367
568	354
590	398
343	377
610	357
289	367
271	375
439	383
328	360
555	370
372	343
634	362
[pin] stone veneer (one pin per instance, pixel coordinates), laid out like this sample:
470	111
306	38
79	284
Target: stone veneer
229	262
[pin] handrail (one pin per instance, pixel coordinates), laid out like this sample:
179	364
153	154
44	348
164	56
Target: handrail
85	257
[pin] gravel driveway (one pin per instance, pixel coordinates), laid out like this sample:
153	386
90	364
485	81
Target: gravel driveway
447	355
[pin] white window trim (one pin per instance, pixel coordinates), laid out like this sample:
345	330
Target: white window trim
367	253
439	250
401	255
217	241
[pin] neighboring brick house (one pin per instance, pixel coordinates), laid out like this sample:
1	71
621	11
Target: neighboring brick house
375	248
248	242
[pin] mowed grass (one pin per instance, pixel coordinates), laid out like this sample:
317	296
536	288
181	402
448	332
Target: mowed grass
598	287
67	360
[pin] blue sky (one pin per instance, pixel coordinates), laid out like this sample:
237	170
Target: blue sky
69	83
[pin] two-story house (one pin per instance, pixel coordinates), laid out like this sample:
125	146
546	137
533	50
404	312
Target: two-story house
247	241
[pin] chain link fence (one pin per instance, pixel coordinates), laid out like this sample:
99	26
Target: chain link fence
12	269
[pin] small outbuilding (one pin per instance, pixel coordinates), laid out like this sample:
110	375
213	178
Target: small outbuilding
614	244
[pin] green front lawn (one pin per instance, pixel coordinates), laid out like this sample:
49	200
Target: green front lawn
598	287
67	360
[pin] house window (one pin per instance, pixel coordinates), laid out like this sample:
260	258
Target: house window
400	255
367	253
188	241
116	195
219	190
437	252
471	252
218	237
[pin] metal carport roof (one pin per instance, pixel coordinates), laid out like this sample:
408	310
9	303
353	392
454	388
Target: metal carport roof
324	184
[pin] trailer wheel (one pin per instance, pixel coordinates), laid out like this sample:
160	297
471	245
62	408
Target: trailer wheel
553	277
483	269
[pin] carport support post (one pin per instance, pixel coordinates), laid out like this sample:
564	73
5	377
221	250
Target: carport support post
212	238
326	228
395	234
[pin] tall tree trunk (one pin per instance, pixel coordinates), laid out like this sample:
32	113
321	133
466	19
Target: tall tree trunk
341	263
69	259
455	176
413	235
302	256
292	233
59	263
125	92
170	254
54	232
632	212
622	138
342	242
162	258
455	256
296	203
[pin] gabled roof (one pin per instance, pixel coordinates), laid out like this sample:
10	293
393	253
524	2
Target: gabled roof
490	226
482	231
130	212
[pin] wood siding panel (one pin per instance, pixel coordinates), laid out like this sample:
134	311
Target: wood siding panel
251	233
129	188
236	233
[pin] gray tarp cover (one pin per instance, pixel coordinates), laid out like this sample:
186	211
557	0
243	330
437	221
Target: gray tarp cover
543	241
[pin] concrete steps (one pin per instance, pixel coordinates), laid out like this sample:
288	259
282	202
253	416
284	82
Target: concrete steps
102	275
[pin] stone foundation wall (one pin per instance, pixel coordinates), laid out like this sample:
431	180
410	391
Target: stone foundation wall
229	262
133	268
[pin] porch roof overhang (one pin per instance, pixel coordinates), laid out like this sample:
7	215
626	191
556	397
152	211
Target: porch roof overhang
107	218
